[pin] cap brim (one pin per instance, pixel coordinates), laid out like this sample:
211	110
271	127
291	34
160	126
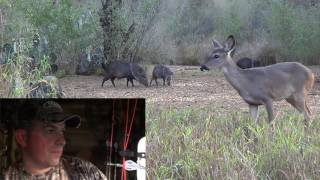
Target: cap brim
70	120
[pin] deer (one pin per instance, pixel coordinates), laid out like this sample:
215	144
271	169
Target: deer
263	85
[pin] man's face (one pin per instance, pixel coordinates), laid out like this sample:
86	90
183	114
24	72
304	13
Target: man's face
44	144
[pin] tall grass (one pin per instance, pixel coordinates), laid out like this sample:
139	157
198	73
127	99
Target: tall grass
199	144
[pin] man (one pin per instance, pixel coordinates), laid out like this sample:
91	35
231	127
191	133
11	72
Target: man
39	134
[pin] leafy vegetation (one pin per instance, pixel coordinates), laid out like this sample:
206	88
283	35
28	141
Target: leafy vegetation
20	72
63	29
35	34
276	25
178	31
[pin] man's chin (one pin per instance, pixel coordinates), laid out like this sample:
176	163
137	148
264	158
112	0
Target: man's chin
55	160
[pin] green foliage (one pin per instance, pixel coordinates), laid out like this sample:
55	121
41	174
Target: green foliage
177	31
198	143
290	27
19	72
296	29
63	28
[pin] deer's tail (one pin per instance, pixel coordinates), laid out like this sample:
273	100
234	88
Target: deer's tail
308	86
310	82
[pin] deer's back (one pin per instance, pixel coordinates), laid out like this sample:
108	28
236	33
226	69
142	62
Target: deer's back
279	81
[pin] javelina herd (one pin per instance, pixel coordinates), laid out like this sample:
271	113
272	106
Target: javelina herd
122	69
131	71
161	71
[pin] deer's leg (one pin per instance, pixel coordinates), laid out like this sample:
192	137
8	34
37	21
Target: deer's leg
269	107
254	111
298	101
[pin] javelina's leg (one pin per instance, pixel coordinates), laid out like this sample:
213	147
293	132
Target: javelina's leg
151	81
131	80
128	82
156	81
164	81
104	79
169	80
112	80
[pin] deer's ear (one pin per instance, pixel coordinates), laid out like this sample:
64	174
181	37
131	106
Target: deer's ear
230	44
216	44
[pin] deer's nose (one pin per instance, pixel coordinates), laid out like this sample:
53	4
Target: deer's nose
204	67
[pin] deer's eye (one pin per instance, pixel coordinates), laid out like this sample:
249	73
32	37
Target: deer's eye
216	56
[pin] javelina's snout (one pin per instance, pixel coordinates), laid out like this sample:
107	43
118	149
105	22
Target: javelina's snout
204	67
144	81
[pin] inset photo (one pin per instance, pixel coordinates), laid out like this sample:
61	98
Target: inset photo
72	139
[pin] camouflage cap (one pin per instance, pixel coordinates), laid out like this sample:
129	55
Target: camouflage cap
52	112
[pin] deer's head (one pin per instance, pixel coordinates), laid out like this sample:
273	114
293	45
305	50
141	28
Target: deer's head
220	54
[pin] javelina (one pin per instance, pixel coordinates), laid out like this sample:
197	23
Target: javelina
245	63
47	87
161	71
122	69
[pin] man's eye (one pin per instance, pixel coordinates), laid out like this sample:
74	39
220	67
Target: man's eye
50	130
216	56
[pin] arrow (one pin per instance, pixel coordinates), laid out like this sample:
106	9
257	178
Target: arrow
129	165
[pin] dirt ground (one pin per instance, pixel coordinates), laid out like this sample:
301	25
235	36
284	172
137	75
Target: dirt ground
190	87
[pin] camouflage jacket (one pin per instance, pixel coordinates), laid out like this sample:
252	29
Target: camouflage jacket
69	168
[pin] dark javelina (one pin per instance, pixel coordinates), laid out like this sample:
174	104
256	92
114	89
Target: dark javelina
47	87
161	71
245	63
122	69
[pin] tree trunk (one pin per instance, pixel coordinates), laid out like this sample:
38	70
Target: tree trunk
131	38
105	21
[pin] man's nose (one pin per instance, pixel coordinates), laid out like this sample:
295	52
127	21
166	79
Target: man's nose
60	139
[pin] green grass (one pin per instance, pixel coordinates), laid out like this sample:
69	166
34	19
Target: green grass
197	144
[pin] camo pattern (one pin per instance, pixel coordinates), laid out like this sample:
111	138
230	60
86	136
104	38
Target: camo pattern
69	168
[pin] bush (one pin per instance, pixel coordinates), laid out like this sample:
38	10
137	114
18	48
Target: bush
63	29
